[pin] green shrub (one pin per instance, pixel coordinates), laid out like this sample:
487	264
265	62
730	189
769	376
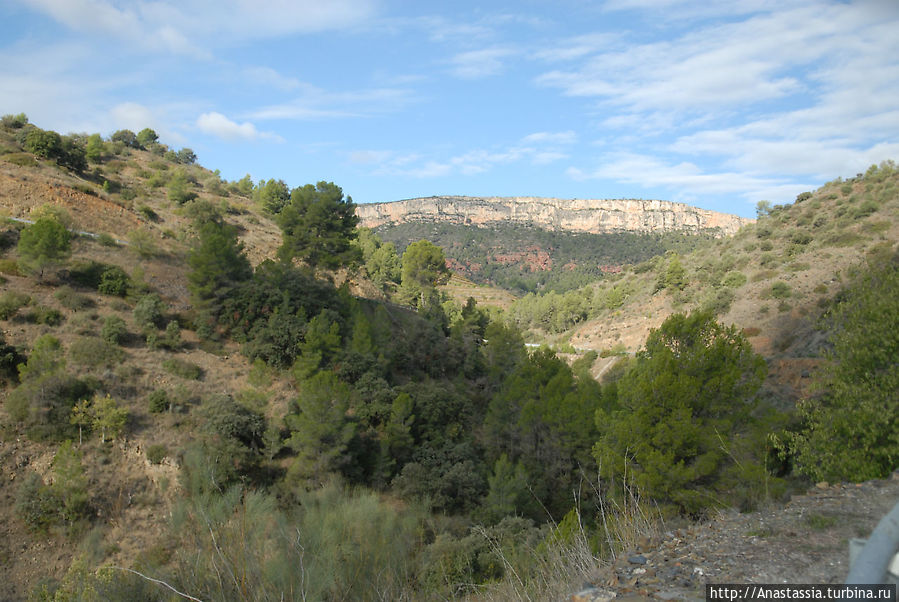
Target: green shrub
11	302
157	453
719	302
148	213
93	352
734	279
9	267
114	330
148	312
182	368
114	281
780	290
44	315
106	240
70	299
142	243
21	159
865	209
851	424
172	338
801	238
158	401
36	504
845	238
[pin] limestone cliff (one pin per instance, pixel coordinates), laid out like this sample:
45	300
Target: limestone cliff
597	216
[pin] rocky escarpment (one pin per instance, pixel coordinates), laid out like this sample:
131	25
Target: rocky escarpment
597	216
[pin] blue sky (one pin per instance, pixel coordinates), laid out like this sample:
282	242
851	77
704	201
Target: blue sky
717	104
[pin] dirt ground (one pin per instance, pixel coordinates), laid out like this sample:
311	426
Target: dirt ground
803	542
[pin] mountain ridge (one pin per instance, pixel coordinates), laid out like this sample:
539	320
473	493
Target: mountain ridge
597	216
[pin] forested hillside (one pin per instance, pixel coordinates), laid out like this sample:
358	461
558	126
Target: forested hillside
228	391
525	259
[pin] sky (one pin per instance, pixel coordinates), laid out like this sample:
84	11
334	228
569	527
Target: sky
719	104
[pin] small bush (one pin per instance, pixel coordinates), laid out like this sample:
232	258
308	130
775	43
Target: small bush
9	267
182	368
157	453
70	299
720	301
734	279
780	290
114	330
93	352
148	213
106	240
801	238
752	331
11	302
35	503
21	159
158	401
865	209
44	315
148	312
114	281
172	338
143	244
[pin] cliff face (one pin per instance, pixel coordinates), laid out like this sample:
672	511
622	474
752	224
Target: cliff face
596	216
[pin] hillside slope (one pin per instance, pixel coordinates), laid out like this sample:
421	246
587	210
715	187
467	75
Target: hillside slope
773	278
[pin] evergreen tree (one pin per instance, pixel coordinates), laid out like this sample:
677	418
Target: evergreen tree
272	195
43	244
686	398
318	226
217	264
320	428
424	267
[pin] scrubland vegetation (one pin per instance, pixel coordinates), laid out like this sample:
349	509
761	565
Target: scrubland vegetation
395	445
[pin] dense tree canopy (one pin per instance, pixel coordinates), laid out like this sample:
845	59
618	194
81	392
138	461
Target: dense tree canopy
852	425
424	267
687	396
318	226
272	195
217	264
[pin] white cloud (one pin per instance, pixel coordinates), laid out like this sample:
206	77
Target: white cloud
132	116
315	103
564	138
577	47
267	76
220	126
540	148
687	180
762	102
193	26
477	64
720	67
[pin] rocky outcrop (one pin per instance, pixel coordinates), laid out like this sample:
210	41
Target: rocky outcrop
598	216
